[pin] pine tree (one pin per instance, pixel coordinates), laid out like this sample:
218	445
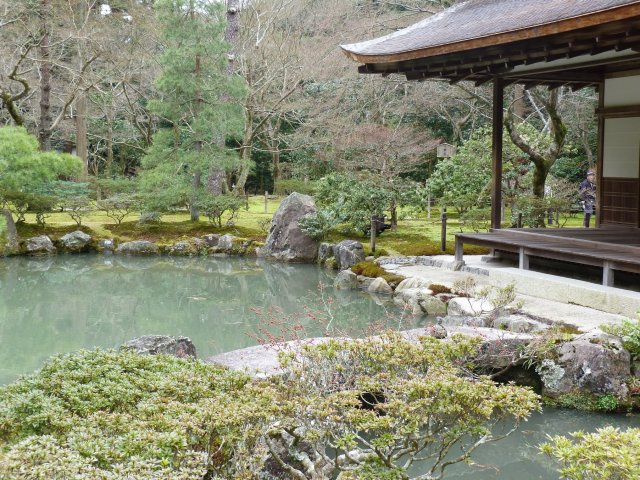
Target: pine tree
198	104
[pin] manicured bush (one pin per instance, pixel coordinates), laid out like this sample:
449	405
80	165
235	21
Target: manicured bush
608	454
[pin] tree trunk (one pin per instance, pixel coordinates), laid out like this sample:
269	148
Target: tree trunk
44	130
109	163
193	207
81	132
394	216
12	232
245	154
518	102
217	179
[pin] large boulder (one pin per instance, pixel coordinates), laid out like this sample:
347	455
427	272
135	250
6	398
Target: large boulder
138	247
469	307
348	253
380	287
346	280
286	241
41	245
595	362
75	242
162	344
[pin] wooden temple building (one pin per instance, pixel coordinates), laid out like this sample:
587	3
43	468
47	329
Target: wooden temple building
574	43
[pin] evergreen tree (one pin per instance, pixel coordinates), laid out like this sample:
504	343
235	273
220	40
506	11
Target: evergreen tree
198	105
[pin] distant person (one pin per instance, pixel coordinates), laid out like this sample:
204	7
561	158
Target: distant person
588	196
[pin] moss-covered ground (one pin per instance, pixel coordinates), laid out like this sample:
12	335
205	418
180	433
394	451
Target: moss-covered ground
414	236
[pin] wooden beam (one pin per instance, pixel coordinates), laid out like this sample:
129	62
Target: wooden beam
599	170
496	152
619	112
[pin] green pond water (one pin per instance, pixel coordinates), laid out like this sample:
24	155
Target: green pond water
62	304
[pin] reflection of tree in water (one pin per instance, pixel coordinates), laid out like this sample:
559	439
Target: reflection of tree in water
62	304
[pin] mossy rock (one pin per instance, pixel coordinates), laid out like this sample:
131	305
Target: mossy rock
373	270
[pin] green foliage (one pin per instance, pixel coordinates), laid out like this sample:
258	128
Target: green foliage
629	331
462	181
608	454
27	173
477	219
198	104
22	164
287	187
607	403
351	200
427	404
117	207
215	206
107	415
318	225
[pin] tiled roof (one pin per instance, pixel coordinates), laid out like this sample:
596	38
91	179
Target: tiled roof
477	19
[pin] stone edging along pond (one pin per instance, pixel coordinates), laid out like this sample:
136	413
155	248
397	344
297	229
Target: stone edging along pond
80	242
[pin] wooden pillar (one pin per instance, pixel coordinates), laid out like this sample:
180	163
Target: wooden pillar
600	165
498	126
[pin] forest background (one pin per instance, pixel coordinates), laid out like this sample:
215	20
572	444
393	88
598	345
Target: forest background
176	105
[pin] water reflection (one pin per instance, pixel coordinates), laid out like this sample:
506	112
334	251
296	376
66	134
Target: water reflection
61	304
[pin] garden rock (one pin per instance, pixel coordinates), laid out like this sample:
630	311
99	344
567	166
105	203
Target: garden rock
519	324
348	253
325	252
365	282
286	241
226	242
466	306
75	242
380	287
211	239
433	306
412	283
162	344
436	331
595	362
138	247
466	321
106	245
188	248
41	245
346	280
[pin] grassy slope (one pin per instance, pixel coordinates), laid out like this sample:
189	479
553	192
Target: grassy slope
414	236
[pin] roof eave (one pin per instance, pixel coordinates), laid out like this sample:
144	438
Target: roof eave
537	31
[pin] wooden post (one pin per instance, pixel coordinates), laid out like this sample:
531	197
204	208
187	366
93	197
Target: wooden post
459	255
523	258
600	166
266	200
496	153
443	236
607	275
428	203
372	236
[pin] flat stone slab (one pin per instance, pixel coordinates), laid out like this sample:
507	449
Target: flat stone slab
548	298
261	361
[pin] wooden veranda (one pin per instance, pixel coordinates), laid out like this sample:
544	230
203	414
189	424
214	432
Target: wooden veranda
612	249
555	43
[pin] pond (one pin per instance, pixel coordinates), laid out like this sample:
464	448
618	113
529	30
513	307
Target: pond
62	304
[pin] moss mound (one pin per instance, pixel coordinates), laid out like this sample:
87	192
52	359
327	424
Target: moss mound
373	270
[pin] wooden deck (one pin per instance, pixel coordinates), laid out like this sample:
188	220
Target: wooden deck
609	248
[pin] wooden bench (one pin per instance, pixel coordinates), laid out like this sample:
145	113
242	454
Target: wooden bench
380	225
611	250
